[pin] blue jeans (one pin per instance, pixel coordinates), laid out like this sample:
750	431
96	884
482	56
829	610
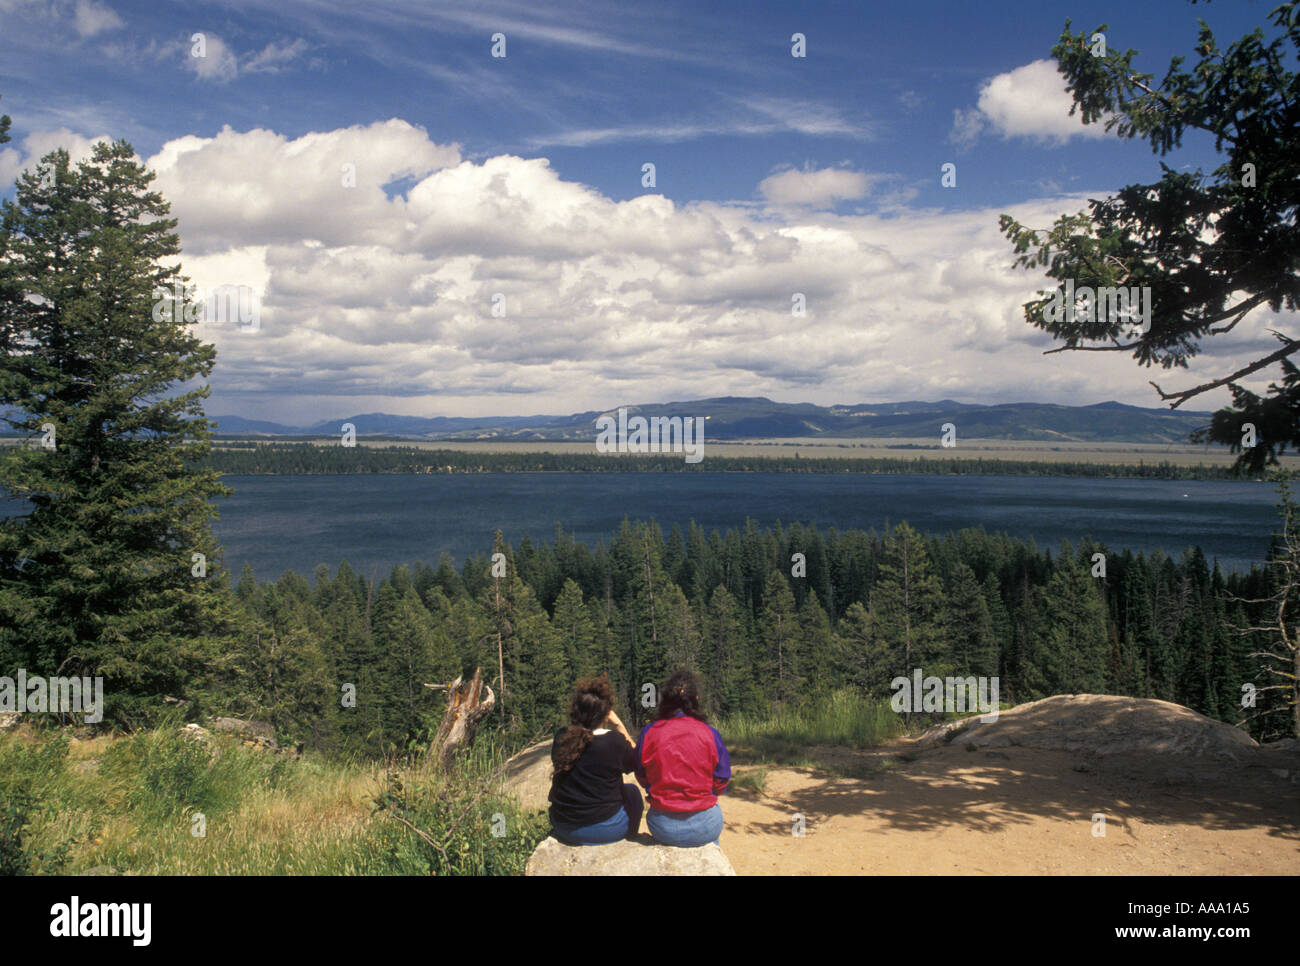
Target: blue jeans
623	824
685	830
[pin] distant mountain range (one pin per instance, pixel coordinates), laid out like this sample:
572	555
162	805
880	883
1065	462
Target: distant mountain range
754	417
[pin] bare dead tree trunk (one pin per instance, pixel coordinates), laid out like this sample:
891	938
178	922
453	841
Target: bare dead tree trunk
1281	654
467	705
501	654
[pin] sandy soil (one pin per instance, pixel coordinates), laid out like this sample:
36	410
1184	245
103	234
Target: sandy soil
1021	811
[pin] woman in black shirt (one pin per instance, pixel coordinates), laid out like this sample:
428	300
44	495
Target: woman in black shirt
590	804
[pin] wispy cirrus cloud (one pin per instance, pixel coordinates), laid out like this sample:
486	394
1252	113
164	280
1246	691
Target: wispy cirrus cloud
92	18
752	116
275	57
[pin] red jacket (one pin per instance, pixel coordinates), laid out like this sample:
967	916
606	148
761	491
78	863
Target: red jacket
682	763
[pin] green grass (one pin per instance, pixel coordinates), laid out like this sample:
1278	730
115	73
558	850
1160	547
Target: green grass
823	735
844	718
751	780
793	735
133	804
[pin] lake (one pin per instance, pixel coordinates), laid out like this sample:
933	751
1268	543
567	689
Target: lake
377	521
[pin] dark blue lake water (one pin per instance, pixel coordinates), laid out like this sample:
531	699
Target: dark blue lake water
374	522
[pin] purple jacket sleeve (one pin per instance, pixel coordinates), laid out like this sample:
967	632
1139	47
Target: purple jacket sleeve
722	770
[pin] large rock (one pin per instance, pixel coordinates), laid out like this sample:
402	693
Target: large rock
641	857
528	777
1282	744
255	732
1100	724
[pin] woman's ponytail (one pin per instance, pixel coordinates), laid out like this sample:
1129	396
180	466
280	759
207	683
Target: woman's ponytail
569	747
592	701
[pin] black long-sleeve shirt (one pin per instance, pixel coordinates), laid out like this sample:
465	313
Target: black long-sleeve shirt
592	790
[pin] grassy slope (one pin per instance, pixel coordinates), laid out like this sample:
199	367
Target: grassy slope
130	804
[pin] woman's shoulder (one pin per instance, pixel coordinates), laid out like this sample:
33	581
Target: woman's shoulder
698	726
679	724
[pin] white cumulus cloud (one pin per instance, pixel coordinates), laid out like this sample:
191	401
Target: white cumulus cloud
36	145
1028	102
381	296
815	188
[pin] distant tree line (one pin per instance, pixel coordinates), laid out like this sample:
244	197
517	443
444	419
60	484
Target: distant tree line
248	459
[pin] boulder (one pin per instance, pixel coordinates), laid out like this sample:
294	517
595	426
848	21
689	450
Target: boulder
257	732
1098	724
639	857
1282	744
528	777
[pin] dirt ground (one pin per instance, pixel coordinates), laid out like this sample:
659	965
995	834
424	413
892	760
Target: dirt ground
1030	793
1020	811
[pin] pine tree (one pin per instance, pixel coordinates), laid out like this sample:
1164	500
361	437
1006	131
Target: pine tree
969	626
999	622
1070	650
680	635
820	664
907	607
573	627
412	651
645	614
447	580
114	571
782	678
866	657
731	675
530	661
280	674
544	676
605	657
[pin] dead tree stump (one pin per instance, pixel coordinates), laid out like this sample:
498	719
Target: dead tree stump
467	705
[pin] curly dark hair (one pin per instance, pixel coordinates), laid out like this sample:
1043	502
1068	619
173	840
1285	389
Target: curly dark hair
681	692
592	701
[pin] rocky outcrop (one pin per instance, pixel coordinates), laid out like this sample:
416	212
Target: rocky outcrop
1099	724
528	777
252	732
640	857
1282	744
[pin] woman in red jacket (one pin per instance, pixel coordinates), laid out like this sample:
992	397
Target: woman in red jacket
684	766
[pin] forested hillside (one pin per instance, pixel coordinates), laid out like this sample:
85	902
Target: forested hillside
728	606
246	459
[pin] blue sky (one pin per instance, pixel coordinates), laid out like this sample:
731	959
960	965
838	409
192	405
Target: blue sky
522	176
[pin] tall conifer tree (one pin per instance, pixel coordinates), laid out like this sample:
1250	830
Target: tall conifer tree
114	571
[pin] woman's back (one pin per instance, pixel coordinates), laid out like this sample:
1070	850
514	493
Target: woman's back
683	764
592	790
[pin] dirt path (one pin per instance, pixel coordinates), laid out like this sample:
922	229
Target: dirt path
1021	811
